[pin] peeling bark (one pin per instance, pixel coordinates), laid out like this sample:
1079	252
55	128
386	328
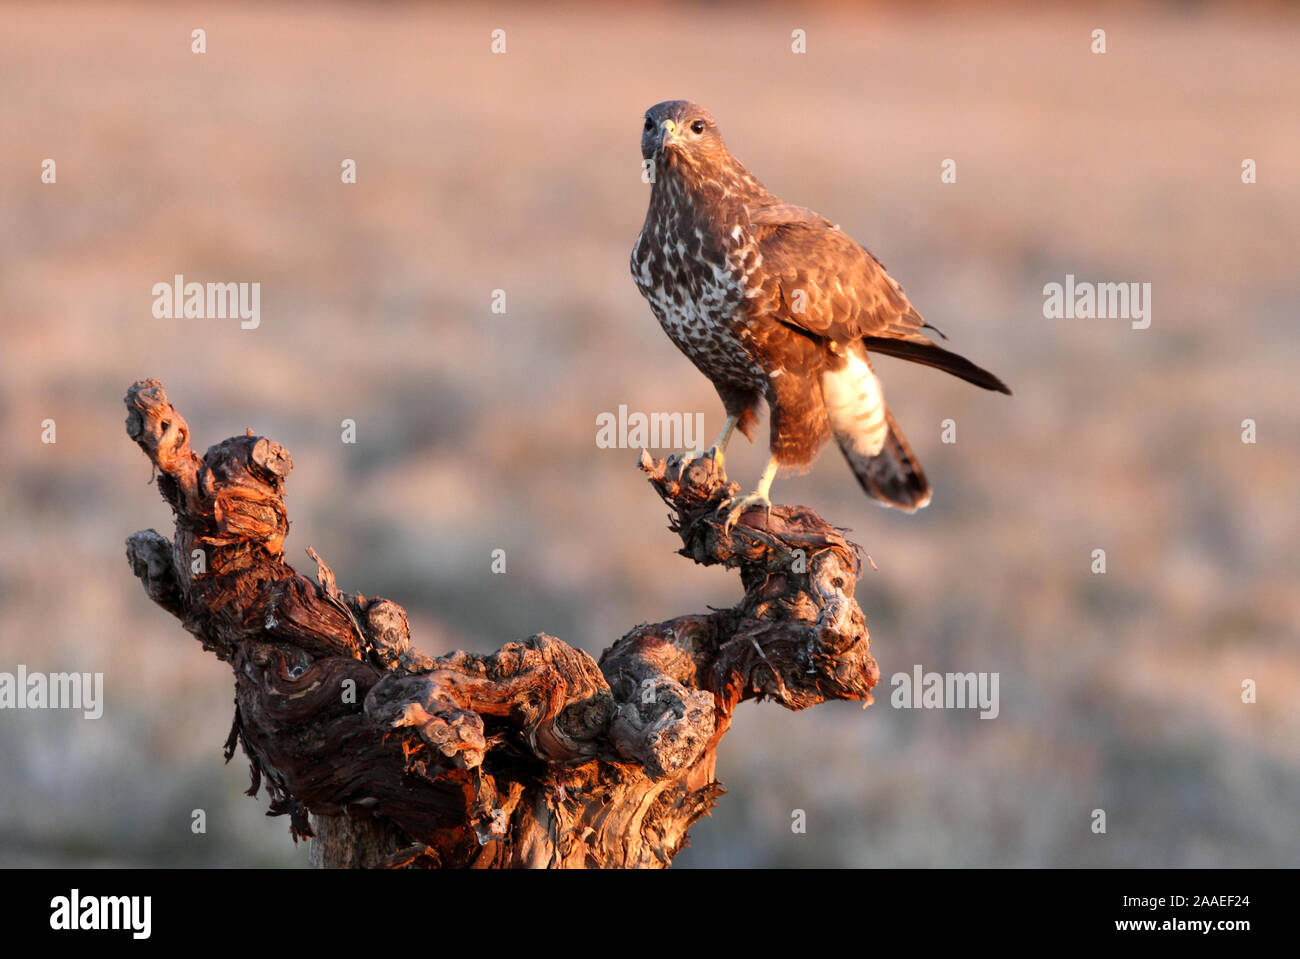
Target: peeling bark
535	755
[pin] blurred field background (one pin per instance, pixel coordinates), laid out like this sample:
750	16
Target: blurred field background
476	431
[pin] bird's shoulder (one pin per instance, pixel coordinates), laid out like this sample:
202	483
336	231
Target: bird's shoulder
770	211
816	277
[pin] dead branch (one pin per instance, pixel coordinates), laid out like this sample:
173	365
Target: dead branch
535	755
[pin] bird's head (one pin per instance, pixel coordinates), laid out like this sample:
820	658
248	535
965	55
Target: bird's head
680	132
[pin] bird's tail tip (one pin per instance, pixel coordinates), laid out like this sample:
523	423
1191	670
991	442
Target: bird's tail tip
893	476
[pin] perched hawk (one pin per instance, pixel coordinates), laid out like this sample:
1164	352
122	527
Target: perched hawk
771	301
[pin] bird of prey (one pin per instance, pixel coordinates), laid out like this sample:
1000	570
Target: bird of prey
772	301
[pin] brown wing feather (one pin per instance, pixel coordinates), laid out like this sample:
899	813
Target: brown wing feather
770	211
843	290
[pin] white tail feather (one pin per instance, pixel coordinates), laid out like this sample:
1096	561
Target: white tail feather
855	406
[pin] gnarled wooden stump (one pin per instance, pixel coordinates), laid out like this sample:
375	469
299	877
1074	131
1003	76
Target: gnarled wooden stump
535	755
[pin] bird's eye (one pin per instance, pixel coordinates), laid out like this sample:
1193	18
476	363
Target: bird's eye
649	124
698	126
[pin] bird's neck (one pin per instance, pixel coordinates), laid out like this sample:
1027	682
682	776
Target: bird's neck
712	192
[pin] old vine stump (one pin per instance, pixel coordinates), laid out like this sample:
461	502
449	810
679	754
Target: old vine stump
535	755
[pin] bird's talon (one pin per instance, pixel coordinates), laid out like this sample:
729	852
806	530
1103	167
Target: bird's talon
737	506
686	458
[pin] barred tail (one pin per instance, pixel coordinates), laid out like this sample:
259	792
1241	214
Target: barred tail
892	476
870	439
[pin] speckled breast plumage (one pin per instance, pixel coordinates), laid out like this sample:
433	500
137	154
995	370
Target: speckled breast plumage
695	278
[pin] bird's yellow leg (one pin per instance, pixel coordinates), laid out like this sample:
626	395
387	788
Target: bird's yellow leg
738	504
717	450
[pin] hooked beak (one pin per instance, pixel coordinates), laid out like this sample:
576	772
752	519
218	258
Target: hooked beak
668	135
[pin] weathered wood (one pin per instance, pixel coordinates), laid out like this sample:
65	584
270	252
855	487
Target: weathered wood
535	755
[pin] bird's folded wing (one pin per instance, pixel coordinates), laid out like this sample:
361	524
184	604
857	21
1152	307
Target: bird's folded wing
772	212
816	278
